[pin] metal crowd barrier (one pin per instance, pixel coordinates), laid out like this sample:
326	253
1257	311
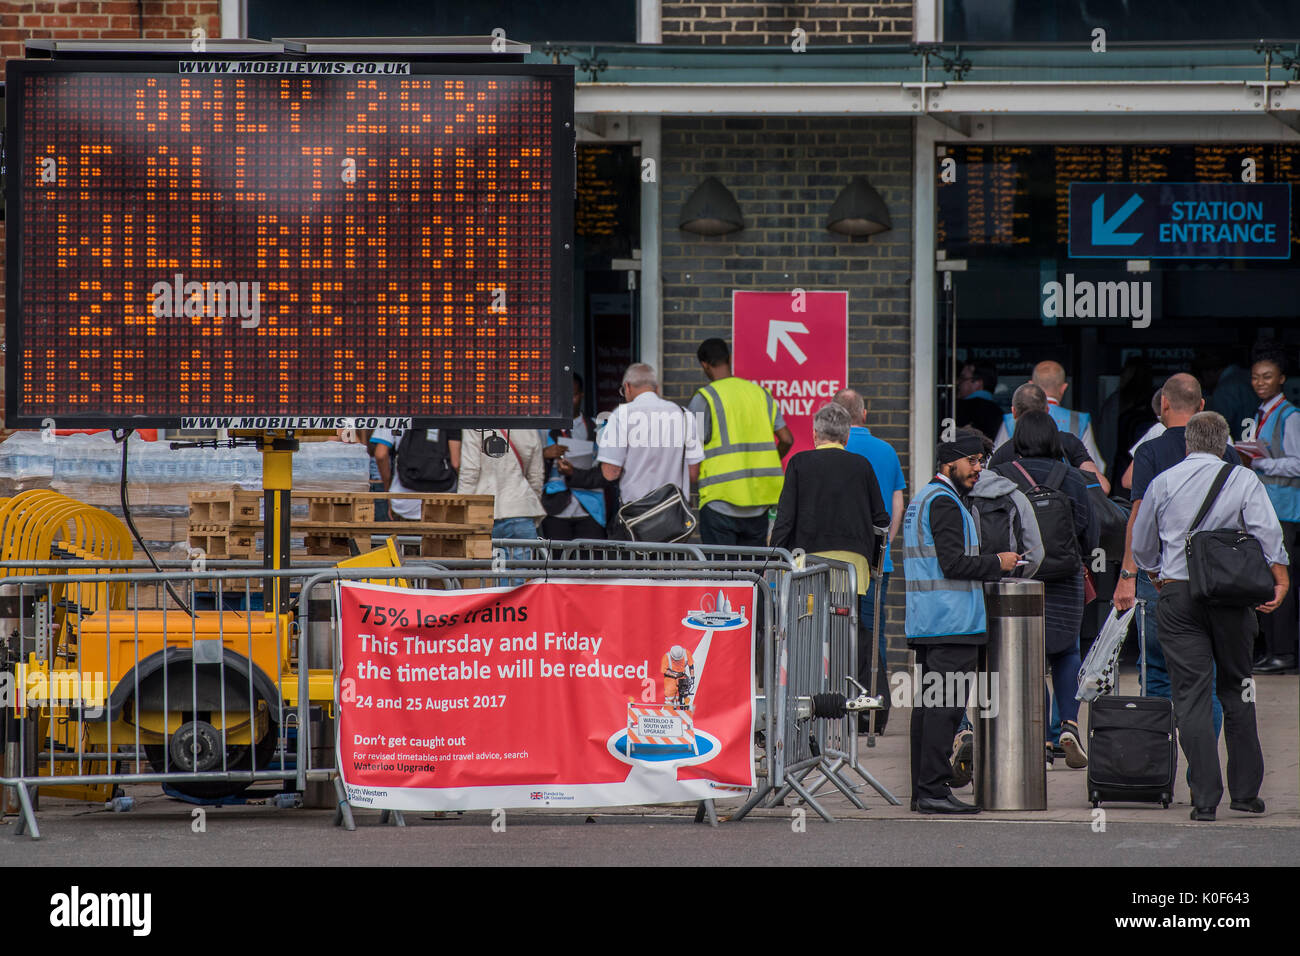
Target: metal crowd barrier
100	737
449	577
816	653
114	686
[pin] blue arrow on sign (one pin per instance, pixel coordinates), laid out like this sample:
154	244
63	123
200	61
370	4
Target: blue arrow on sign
1103	229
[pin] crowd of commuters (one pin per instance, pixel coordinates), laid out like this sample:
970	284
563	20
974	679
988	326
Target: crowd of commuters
845	499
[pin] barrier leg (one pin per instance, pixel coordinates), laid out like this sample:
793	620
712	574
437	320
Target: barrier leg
26	822
830	775
875	784
392	816
754	800
343	811
807	798
706	808
867	778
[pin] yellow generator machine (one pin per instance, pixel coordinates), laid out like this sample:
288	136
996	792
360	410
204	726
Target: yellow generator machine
196	691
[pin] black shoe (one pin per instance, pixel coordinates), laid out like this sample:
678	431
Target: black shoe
1203	813
951	805
1259	661
1283	664
1248	806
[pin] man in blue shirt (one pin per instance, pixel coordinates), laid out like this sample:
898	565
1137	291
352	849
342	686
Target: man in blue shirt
1180	399
889	473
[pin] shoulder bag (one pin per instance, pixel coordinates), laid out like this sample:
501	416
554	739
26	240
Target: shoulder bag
1226	567
664	514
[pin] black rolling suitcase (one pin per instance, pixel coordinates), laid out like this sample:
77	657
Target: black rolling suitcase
1132	744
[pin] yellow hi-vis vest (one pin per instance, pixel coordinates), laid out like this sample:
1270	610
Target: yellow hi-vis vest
740	464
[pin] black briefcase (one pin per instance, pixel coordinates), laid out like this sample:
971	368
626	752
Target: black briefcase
1132	744
1226	567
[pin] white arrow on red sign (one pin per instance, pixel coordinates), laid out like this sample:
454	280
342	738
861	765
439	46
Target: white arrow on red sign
779	332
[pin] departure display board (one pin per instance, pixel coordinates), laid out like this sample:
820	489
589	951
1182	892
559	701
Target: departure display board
1013	201
230	249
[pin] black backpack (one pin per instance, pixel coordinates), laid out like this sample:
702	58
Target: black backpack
424	460
1055	513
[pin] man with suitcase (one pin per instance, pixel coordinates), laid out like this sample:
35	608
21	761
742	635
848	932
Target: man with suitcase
1198	638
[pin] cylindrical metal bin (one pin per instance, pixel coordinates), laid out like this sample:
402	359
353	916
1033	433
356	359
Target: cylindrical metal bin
1010	727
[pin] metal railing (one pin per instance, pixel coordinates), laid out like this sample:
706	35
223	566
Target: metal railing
209	701
115	686
816	660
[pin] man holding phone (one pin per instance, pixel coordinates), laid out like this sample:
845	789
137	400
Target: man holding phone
945	621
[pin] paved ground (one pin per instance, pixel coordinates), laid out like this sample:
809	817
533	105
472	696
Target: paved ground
161	831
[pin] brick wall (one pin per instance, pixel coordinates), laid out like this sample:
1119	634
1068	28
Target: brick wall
82	20
827	22
786	172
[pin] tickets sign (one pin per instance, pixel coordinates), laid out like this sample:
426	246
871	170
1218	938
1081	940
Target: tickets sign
796	345
557	693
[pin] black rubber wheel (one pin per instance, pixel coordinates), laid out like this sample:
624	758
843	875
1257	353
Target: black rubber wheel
237	759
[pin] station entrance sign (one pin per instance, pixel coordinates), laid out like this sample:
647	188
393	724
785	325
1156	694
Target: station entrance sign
796	345
1180	220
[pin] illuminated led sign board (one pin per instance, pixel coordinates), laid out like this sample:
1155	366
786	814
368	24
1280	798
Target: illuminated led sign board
204	245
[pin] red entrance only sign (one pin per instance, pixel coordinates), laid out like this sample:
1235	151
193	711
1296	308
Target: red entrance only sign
796	345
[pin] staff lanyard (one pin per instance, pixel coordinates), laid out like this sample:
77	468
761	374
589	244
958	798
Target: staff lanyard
1259	429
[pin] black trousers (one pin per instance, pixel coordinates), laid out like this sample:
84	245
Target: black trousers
717	528
1281	628
934	727
571	529
1194	636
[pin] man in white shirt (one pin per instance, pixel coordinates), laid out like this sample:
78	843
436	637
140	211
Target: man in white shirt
1196	636
648	441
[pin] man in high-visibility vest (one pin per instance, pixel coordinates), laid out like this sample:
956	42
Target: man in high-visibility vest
1050	377
745	439
945	621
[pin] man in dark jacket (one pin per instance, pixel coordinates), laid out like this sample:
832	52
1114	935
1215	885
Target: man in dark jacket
945	611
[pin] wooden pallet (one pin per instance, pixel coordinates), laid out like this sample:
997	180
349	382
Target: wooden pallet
218	543
339	509
456	546
471	511
223	508
385	527
335	543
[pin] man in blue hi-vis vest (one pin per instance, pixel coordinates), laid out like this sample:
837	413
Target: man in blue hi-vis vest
1050	377
945	621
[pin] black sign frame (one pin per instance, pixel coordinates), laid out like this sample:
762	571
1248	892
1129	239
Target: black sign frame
562	169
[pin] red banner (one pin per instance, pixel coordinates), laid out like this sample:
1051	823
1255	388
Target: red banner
796	345
557	693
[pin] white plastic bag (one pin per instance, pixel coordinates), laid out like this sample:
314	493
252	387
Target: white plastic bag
1098	673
